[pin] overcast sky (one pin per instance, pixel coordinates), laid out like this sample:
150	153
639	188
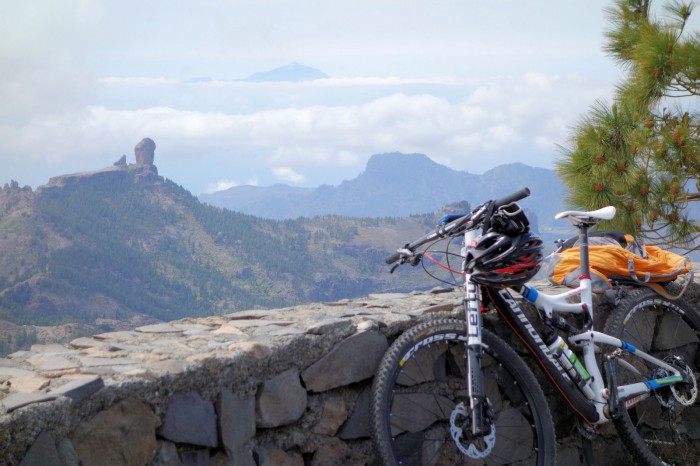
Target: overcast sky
471	84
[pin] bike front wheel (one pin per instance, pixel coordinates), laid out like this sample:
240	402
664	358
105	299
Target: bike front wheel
660	428
420	391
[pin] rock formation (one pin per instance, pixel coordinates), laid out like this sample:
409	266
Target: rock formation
145	151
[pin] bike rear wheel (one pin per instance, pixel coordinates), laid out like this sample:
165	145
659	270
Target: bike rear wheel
422	380
662	428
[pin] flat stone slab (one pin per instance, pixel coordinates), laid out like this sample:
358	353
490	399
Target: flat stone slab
123	335
48	362
18	400
259	323
95	362
50	348
80	389
6	362
227	329
28	384
8	372
159	328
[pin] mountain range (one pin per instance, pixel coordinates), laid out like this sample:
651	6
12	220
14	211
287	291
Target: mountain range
122	246
398	185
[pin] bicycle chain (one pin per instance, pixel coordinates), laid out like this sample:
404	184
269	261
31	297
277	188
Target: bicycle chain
585	430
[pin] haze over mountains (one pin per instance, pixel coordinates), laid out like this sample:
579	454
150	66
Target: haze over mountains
398	185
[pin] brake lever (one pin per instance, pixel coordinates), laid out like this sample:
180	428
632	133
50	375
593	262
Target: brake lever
407	256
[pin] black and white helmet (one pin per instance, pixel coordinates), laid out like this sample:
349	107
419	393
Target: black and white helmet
504	260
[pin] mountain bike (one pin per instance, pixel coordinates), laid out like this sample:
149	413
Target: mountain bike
449	391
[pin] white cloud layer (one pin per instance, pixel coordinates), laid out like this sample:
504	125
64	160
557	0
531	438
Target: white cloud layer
494	121
471	84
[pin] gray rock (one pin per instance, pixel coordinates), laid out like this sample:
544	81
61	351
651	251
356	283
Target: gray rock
145	151
333	416
194	456
337	452
354	359
236	419
166	455
190	419
221	459
242	456
67	453
357	425
271	455
121	435
42	452
281	400
673	333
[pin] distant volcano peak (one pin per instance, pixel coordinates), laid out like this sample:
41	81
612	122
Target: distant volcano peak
292	72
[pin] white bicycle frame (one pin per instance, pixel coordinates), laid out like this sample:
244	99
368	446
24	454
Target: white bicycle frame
590	340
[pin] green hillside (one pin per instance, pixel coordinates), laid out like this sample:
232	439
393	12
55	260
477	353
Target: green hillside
113	244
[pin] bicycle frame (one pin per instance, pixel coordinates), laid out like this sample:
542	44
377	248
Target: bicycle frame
595	411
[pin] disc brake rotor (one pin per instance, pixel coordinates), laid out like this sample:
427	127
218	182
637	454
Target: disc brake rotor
457	420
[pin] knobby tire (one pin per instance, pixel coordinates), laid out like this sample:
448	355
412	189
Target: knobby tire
658	430
422	378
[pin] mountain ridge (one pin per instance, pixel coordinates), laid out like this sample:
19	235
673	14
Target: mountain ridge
398	184
121	246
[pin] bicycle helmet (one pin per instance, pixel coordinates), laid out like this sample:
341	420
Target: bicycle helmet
503	260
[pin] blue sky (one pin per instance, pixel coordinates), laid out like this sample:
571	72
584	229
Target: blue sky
471	84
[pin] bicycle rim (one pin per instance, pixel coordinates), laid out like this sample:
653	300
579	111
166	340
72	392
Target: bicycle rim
422	379
663	428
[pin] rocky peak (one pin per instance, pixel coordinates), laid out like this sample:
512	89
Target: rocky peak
143	171
145	151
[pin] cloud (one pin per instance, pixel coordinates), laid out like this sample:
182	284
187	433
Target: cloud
367	81
288	174
220	185
474	128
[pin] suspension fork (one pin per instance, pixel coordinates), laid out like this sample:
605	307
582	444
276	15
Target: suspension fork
475	379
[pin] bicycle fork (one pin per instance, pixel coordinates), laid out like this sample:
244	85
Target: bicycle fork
475	379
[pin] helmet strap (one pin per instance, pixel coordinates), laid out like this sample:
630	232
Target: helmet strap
487	217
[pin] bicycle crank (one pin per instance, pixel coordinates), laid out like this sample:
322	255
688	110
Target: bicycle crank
458	419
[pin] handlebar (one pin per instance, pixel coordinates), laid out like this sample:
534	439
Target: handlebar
455	226
513	197
393	258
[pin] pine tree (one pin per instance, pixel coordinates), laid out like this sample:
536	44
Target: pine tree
642	152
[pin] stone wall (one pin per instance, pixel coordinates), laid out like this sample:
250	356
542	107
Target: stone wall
255	388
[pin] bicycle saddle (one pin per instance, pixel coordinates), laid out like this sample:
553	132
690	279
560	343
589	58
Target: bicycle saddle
606	213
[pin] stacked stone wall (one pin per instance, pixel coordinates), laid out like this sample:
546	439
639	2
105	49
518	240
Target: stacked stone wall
256	388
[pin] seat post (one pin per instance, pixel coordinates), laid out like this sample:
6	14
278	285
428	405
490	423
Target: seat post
585	266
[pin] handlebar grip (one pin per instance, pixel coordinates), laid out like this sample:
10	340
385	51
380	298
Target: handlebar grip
392	258
514	197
